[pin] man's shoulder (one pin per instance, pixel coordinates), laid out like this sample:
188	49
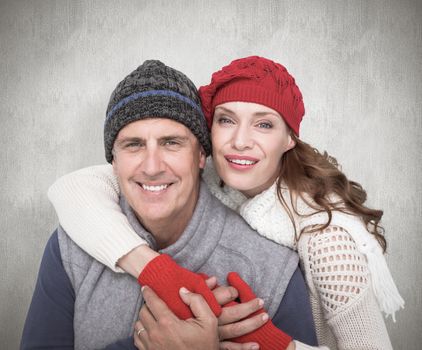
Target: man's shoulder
76	262
70	252
52	259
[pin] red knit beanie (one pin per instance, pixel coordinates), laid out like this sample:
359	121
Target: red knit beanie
255	79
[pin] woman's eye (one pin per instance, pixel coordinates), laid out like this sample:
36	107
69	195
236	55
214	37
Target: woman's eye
265	125
224	120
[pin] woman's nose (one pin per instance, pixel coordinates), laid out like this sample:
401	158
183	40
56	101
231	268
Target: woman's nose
242	138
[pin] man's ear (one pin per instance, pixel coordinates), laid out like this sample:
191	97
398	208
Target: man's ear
202	158
113	163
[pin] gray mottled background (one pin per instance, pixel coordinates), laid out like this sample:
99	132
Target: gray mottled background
358	64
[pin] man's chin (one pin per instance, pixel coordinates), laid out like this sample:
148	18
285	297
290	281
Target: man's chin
152	212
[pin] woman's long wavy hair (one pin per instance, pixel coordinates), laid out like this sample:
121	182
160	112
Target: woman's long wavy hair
307	171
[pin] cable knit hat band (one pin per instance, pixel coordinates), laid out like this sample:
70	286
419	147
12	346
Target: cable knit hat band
243	91
259	80
154	90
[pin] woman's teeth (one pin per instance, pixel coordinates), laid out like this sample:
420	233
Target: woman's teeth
242	161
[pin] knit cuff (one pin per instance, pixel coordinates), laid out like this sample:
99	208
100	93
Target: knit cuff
159	268
270	337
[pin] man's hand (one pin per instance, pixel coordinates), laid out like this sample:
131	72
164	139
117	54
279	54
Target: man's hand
159	328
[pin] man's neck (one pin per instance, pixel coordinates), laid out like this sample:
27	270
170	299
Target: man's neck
166	232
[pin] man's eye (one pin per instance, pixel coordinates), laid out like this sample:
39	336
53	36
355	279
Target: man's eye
132	146
172	143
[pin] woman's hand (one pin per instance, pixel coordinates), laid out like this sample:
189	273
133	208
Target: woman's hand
268	336
232	322
166	278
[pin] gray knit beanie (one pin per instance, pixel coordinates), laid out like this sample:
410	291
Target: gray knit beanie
154	90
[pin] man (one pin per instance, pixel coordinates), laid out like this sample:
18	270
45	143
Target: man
157	140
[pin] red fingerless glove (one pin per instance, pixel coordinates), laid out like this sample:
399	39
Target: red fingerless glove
269	337
165	277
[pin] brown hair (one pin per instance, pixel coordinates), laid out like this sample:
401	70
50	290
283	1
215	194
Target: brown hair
307	171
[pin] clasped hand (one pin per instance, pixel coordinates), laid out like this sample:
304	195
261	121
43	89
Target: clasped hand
159	328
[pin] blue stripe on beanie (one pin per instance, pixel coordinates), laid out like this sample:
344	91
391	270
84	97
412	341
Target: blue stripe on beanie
142	94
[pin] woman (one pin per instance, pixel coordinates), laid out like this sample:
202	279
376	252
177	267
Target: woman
284	189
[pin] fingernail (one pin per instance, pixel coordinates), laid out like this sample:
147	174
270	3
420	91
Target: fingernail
260	302
142	289
255	347
184	290
265	317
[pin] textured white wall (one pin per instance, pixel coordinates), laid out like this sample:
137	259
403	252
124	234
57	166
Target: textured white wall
358	64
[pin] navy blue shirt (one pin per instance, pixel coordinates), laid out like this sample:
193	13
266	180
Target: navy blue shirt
49	323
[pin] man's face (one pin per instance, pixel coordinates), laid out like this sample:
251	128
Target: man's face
157	162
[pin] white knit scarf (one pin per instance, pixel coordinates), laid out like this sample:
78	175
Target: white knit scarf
269	218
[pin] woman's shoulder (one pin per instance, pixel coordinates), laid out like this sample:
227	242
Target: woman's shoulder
333	237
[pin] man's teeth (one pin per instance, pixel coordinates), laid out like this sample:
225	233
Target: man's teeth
154	188
242	161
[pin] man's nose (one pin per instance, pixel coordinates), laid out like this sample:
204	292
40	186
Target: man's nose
242	138
152	164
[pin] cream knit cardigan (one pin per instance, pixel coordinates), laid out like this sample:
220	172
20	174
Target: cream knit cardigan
336	262
347	276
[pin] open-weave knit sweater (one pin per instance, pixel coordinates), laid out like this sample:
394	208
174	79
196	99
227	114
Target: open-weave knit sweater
345	303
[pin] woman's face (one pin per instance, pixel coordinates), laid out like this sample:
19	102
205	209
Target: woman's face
248	140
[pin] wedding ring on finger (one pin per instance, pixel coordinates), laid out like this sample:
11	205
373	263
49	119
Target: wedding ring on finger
138	332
